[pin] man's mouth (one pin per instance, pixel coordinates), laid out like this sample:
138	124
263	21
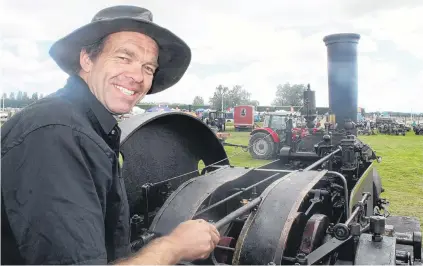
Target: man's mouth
124	90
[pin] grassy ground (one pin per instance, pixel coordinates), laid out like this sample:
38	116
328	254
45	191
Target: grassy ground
401	168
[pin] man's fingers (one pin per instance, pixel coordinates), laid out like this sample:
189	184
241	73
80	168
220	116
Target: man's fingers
215	238
214	229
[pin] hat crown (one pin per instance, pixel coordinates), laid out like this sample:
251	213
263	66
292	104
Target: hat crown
123	11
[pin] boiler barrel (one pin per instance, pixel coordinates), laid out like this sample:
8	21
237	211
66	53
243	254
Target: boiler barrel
342	75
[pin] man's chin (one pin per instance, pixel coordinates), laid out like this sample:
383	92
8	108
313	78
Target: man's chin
119	111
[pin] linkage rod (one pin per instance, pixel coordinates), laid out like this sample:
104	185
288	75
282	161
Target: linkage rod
322	160
358	208
238	212
273	170
234	195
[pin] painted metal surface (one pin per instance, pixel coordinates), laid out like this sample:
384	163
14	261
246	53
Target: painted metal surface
190	196
267	131
370	252
364	184
163	145
265	234
343	75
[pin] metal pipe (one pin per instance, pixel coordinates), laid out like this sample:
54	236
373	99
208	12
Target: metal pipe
344	180
238	212
324	159
234	195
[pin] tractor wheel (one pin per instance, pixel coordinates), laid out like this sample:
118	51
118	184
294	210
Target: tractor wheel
262	146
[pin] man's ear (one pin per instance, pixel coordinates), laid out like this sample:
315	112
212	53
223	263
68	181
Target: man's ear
85	61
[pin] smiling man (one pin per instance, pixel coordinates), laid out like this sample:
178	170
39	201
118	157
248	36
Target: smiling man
63	197
123	74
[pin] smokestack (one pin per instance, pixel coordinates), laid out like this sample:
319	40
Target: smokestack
342	76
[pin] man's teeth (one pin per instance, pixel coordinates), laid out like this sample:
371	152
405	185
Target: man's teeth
125	91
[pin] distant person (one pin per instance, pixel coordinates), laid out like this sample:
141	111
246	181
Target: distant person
63	198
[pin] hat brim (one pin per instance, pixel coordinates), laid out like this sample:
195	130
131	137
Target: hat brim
174	53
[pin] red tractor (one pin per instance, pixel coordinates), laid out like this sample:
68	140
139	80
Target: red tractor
265	142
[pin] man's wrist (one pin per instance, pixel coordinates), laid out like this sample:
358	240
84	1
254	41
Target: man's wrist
161	251
173	246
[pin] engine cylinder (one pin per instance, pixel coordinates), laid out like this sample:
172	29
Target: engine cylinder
342	76
309	109
310	101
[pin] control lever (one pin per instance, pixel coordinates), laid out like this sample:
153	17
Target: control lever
148	236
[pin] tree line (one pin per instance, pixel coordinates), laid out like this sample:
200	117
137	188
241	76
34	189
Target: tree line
19	99
223	97
286	95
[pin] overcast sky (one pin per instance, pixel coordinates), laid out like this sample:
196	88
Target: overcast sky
257	44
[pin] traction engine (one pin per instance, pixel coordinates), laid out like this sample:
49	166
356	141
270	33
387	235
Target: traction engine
320	204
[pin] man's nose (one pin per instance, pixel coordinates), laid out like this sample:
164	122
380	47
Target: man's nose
136	74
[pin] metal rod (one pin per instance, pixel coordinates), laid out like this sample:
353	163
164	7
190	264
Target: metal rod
238	212
234	195
225	248
273	170
357	210
192	172
344	180
322	160
145	189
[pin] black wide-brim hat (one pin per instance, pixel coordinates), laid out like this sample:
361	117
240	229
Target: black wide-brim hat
174	53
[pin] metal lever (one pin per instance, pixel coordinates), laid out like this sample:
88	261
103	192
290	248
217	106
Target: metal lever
238	212
147	237
232	216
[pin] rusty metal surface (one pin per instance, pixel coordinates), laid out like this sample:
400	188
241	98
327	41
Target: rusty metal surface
314	233
158	146
265	234
190	196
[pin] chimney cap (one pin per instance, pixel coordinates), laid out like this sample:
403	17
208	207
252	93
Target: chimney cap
341	38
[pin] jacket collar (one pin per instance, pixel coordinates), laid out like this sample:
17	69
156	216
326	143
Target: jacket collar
80	90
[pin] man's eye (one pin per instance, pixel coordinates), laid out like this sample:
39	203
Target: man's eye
123	58
150	70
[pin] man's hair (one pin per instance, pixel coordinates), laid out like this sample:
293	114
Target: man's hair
93	50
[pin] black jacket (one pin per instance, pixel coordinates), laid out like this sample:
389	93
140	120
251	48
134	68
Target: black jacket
63	197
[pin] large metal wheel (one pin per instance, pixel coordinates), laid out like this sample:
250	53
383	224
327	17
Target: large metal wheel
262	146
160	146
265	240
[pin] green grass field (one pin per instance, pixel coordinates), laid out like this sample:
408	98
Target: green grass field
401	168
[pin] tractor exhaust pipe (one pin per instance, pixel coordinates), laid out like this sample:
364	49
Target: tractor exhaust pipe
342	77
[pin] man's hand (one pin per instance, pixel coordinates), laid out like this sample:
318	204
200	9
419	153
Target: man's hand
190	240
195	238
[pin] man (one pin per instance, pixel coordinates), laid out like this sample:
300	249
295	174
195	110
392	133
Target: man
63	197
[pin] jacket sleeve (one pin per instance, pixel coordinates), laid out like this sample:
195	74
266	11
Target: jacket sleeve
54	187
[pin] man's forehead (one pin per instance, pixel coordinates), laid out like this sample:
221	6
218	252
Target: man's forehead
137	39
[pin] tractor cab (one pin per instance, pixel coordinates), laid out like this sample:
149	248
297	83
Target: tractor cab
266	141
275	121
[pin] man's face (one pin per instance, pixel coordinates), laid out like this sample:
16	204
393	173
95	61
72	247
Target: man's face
123	73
